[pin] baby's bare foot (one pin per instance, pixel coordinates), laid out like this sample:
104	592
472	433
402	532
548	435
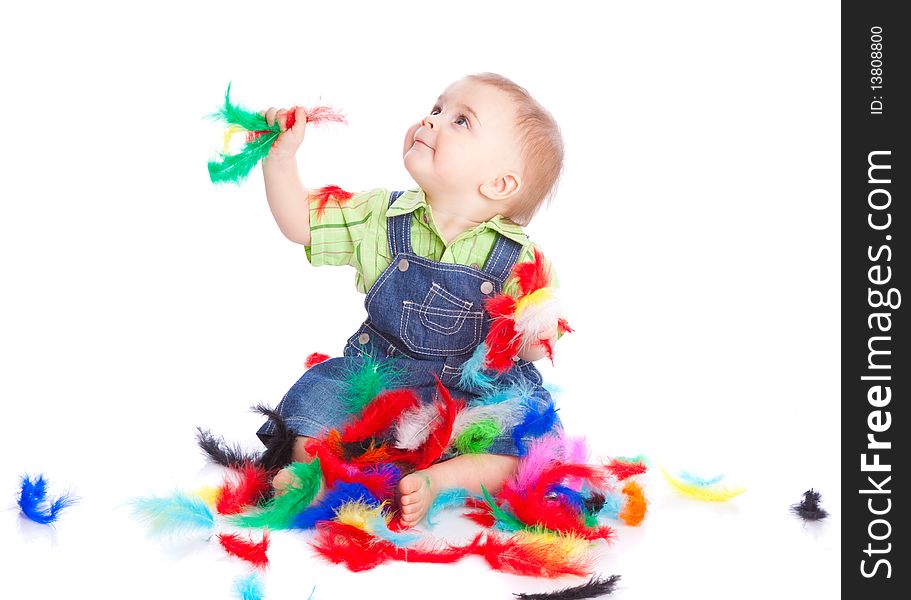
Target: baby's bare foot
417	492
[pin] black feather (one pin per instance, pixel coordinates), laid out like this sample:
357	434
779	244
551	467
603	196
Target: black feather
808	509
594	588
280	445
220	452
594	503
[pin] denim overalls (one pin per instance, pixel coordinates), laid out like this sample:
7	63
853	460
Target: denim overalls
427	315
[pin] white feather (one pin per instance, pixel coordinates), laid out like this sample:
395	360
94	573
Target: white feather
413	427
538	321
506	414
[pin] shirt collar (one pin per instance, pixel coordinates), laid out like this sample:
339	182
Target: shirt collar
414	199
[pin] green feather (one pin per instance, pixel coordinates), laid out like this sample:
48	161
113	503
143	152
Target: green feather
510	521
478	437
279	511
234	168
367	381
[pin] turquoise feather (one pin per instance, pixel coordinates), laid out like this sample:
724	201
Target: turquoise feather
249	587
446	499
175	513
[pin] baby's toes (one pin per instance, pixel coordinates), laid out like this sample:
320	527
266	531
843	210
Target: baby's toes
410	484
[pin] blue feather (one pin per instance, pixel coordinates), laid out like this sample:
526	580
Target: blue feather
699	481
249	587
324	510
381	530
573	497
445	499
613	504
534	424
472	374
174	513
35	504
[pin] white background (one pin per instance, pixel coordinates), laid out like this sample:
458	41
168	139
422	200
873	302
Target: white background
695	233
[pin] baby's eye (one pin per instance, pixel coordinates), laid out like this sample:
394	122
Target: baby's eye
462	118
435	108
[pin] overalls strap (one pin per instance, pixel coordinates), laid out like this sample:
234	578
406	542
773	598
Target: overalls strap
398	229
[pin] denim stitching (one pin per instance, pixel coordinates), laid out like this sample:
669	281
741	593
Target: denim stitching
403	333
437	290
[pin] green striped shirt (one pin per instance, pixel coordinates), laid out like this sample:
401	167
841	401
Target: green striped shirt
354	233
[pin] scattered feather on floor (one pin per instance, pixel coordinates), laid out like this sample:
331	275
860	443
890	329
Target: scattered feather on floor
712	493
174	514
35	504
249	587
809	509
594	588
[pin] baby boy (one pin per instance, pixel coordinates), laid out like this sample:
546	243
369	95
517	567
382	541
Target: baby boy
485	158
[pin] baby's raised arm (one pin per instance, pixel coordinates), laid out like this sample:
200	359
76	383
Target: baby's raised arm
287	196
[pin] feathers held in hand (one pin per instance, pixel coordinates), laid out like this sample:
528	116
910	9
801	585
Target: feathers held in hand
246	549
809	509
34	503
595	588
260	137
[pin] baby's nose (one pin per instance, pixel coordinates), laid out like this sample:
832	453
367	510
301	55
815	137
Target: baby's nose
427	123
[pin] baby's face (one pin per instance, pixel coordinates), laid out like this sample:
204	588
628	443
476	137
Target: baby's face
467	139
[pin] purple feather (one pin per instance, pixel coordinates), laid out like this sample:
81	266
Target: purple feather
35	504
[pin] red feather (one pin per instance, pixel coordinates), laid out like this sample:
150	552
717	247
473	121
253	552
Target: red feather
379	414
532	275
380	483
325	194
242	490
439	438
315	115
502	341
621	469
535	558
248	550
315	359
484	519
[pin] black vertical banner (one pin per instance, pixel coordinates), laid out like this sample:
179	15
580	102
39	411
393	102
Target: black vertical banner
876	371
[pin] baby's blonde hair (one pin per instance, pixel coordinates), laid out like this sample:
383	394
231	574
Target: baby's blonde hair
541	148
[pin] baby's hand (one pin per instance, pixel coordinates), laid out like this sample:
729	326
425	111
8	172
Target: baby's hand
289	140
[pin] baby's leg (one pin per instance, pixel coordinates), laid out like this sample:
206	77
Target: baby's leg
469	471
284	477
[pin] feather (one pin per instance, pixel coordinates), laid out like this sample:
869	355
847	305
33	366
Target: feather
208	494
440	436
414	426
634	509
471	373
809	509
234	168
534	558
714	493
613	504
176	513
594	588
365	381
699	481
519	390
34	503
246	549
380	413
622	469
246	488
314	359
542	454
511	521
534	424
532	275
502	341
280	446
446	498
477	437
377	526
249	587
326	508
279	512
572	497
505	415
220	453
326	194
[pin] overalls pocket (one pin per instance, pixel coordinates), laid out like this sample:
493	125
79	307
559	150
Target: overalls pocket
442	325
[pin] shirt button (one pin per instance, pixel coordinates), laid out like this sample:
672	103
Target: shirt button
476	266
403	265
515	358
363	338
486	287
426	219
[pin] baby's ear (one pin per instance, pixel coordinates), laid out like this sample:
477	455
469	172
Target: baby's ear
501	188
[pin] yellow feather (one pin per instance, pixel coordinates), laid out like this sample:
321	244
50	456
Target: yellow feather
539	296
208	494
709	493
229	133
357	514
566	545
